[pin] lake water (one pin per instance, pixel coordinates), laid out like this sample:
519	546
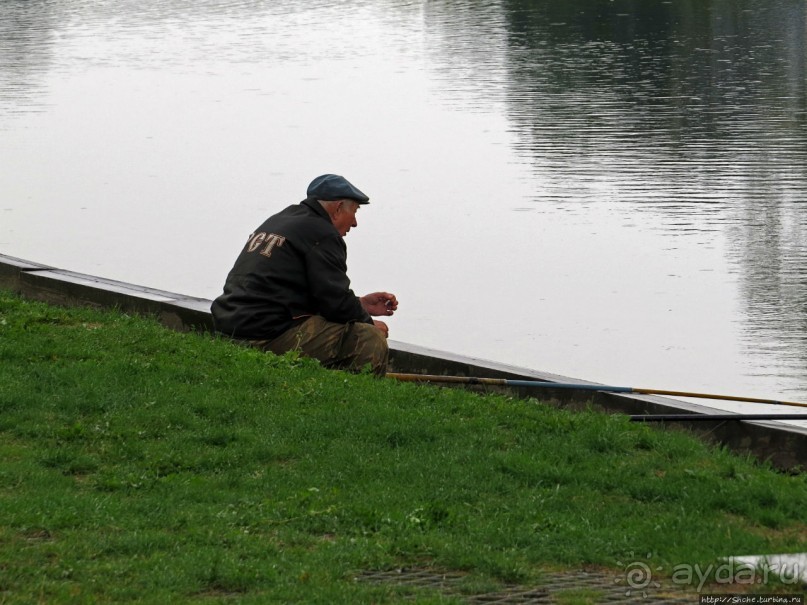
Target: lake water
609	190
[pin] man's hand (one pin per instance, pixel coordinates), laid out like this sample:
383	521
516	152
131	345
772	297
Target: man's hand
379	303
382	327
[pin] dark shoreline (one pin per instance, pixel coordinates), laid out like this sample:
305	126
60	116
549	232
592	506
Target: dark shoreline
784	446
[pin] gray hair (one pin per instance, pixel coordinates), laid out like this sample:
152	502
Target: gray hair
331	203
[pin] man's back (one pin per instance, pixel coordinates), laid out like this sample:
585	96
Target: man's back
292	267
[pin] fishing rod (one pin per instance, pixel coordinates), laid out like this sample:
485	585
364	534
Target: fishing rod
713	417
581	387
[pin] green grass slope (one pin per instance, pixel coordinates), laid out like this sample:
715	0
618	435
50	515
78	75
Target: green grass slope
140	464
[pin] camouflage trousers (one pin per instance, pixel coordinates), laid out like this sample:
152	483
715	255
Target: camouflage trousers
340	346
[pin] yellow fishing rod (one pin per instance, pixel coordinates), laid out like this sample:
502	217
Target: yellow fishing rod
580	387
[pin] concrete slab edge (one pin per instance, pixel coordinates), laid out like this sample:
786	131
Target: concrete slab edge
784	446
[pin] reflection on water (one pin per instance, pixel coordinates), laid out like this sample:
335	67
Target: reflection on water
26	31
614	190
695	112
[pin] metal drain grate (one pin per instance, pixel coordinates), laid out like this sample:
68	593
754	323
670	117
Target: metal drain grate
596	587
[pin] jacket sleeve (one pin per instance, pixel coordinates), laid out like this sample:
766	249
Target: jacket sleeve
326	264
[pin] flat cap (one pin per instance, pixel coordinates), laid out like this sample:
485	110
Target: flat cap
334	187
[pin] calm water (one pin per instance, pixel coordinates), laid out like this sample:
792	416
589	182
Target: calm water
610	190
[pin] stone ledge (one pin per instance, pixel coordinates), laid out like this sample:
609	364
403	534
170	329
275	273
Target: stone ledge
68	288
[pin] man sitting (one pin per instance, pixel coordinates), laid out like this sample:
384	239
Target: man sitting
289	288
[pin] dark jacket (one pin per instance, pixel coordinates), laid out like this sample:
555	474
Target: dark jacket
292	267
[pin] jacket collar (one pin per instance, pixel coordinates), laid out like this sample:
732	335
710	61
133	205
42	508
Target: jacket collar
314	205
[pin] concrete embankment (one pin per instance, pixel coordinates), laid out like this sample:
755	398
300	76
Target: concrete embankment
785	446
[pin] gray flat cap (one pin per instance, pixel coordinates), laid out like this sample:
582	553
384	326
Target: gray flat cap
334	187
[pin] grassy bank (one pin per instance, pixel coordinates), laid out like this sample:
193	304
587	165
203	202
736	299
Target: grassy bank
142	464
